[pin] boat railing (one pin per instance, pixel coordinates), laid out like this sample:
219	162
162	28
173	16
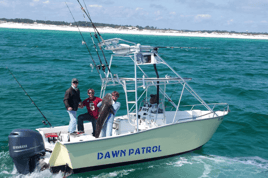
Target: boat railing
213	106
224	107
148	81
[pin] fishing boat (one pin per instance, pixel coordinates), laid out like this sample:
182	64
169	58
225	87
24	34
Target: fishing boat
147	132
155	125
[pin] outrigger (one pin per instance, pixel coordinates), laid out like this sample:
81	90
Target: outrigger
155	125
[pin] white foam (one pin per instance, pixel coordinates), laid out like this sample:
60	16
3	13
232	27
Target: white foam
132	31
120	173
241	166
255	161
14	171
220	166
182	162
35	174
113	174
4	154
207	169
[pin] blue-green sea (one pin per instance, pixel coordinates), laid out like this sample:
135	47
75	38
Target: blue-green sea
233	71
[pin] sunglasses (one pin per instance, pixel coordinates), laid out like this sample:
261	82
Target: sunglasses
90	93
75	82
115	96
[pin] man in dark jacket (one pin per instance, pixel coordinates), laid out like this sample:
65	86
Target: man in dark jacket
72	101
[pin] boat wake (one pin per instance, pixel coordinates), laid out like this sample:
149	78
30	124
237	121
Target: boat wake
35	174
118	173
220	166
188	165
193	165
8	169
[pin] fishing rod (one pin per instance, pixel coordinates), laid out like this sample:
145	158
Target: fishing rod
30	98
102	65
87	14
96	32
85	42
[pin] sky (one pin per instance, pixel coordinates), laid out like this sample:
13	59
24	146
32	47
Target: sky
230	15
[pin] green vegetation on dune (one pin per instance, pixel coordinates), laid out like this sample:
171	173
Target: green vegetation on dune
88	24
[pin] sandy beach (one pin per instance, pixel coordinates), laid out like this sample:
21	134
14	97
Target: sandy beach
132	30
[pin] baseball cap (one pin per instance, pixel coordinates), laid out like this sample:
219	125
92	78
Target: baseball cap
74	80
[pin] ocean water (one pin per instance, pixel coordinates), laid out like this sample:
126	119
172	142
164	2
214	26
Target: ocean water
233	71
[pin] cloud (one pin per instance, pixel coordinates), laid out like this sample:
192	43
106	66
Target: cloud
249	6
157	6
203	16
172	13
35	2
3	3
159	18
200	4
125	14
249	22
106	2
235	6
230	21
95	5
157	13
46	2
264	21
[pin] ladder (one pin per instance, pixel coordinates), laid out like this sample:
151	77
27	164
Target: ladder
130	103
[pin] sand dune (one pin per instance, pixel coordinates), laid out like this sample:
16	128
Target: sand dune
131	30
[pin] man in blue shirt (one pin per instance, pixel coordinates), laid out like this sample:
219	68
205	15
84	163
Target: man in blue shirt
108	126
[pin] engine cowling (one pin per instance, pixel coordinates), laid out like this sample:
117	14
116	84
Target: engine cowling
25	148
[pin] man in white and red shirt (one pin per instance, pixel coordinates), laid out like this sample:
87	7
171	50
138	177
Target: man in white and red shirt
93	111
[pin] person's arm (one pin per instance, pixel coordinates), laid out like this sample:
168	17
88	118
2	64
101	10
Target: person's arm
116	106
66	98
99	104
80	101
82	104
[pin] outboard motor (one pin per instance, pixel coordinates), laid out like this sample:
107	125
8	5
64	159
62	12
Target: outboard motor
25	148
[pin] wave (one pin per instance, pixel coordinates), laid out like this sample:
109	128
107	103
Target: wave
220	166
8	169
188	165
192	165
117	173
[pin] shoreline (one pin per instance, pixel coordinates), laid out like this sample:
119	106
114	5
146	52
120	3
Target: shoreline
133	30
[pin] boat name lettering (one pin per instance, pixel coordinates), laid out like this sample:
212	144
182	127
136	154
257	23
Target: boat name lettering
130	152
19	147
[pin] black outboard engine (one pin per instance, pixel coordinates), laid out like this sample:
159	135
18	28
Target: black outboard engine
25	148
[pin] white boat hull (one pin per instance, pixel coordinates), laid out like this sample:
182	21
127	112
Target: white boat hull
125	149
